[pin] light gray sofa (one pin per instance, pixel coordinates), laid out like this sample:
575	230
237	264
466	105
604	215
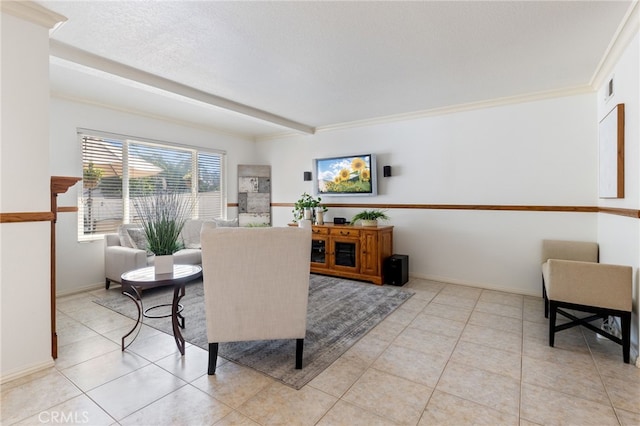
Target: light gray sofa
126	250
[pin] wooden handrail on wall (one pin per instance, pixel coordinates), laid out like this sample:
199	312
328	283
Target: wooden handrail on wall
34	216
59	185
48	216
26	217
495	207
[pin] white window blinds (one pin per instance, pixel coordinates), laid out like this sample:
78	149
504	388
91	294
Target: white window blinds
115	170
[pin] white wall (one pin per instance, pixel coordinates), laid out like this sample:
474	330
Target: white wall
25	247
619	236
81	264
535	153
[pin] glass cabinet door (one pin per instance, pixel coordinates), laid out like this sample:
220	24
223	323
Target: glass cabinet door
345	253
319	251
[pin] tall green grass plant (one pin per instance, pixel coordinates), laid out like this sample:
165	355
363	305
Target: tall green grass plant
163	216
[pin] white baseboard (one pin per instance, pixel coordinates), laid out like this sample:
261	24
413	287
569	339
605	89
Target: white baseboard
77	290
23	372
484	286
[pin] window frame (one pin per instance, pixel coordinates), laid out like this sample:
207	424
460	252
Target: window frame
127	208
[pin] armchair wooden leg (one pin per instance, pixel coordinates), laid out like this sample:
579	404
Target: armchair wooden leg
552	321
213	358
299	349
625	326
107	283
545	300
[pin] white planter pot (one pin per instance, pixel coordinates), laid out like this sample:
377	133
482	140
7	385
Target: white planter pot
304	223
373	222
308	213
163	264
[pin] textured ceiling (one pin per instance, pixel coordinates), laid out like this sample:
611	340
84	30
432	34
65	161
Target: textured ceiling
325	63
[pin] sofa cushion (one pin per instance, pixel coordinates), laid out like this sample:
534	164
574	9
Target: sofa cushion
188	257
125	239
138	238
190	234
222	223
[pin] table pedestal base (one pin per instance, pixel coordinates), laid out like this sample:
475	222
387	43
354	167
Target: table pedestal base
177	320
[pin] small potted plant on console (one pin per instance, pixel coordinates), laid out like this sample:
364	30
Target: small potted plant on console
369	217
306	207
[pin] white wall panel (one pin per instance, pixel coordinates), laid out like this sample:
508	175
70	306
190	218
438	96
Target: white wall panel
24	176
538	153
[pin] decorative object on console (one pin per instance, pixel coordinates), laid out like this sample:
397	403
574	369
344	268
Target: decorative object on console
369	217
347	175
306	206
319	213
163	216
304	223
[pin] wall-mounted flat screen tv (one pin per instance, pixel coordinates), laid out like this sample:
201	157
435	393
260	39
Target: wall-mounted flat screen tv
346	175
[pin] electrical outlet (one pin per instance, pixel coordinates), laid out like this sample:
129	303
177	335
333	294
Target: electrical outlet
611	326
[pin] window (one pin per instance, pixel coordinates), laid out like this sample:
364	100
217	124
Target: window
116	169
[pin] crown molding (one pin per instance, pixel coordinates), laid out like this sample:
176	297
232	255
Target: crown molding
491	103
33	12
81	57
628	28
416	115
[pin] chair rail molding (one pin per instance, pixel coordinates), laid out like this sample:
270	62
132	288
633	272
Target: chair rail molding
634	213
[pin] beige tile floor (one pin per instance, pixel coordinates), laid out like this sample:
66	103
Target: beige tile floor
450	355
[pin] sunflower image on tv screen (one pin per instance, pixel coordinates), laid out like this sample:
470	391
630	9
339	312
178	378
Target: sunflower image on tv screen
344	175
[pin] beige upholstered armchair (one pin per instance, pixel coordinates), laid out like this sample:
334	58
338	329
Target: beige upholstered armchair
573	279
256	285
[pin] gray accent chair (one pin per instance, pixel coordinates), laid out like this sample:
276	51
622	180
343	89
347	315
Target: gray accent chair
573	279
256	285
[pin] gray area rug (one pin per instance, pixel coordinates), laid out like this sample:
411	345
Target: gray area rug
340	312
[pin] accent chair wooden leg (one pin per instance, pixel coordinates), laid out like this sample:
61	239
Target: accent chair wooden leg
545	300
299	349
107	283
213	358
625	326
552	322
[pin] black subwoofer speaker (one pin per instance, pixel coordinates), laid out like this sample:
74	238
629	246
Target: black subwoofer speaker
396	269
